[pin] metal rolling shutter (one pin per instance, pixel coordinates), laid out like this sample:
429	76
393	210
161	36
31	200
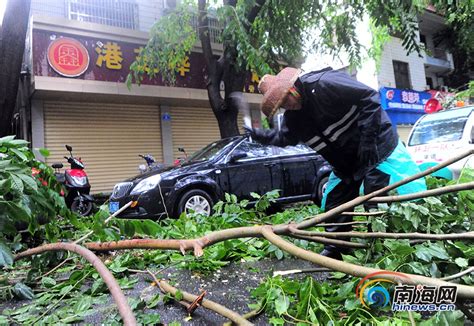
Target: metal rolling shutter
108	138
194	128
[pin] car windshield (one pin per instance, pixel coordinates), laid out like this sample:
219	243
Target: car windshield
440	127
210	151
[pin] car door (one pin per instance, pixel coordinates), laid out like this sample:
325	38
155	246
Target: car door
252	173
298	171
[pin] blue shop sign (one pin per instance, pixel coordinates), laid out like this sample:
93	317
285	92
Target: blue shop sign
403	106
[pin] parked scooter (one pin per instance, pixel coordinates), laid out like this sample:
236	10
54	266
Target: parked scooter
76	183
180	160
151	164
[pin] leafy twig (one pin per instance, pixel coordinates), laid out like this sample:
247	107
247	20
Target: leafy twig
124	309
60	299
107	220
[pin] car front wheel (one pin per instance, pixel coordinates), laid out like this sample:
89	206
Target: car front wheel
322	184
197	201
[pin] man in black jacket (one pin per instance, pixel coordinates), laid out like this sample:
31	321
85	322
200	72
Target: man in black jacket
341	119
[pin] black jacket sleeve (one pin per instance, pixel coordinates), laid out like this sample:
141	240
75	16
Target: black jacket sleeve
283	137
338	88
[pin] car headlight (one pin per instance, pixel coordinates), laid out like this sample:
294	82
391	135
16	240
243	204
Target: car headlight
146	184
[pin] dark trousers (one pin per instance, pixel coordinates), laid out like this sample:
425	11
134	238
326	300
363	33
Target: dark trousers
347	190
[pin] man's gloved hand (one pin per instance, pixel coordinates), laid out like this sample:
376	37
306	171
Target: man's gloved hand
259	135
368	154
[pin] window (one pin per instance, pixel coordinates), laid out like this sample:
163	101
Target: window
440	127
119	13
402	75
429	82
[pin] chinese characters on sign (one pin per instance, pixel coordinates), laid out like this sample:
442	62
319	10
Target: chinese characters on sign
393	98
109	53
68	56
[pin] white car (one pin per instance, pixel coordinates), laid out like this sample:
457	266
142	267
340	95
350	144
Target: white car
439	136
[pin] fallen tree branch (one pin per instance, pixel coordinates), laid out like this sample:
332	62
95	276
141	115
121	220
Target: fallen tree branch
58	266
107	220
464	291
362	199
325	225
424	194
339	243
250	314
364	213
124	309
385	235
254	231
211	305
460	274
298	271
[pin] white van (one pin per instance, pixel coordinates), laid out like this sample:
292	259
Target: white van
439	136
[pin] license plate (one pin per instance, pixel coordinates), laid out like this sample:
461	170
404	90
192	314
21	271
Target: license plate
113	206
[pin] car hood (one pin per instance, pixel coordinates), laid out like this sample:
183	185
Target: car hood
173	171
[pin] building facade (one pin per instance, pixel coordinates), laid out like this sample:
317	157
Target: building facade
406	82
78	55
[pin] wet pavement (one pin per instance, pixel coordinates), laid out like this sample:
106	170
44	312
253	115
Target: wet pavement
229	286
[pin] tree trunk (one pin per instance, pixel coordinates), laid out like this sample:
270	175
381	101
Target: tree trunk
223	70
12	46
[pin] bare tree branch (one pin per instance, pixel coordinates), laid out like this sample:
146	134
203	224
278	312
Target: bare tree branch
208	304
424	194
339	243
384	235
458	275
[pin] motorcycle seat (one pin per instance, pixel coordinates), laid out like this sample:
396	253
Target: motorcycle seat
57	166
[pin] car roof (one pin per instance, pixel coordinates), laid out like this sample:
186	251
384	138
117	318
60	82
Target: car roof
448	114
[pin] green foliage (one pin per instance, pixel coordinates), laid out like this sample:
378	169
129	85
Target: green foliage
281	30
285	300
29	197
174	35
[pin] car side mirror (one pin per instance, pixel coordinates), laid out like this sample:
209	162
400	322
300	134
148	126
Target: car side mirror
237	155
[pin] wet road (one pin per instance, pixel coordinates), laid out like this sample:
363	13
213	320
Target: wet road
230	287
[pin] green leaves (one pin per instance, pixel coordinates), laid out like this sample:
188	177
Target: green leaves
6	257
22	291
427	252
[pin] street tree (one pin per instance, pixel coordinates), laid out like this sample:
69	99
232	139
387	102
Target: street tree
12	45
262	35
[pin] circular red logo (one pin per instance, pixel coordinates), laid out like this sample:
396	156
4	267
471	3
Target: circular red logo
68	57
390	93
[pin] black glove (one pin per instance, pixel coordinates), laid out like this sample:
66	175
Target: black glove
368	154
259	135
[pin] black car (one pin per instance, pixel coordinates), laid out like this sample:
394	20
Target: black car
233	165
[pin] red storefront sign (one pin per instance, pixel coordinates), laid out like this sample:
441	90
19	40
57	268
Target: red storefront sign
90	58
68	57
